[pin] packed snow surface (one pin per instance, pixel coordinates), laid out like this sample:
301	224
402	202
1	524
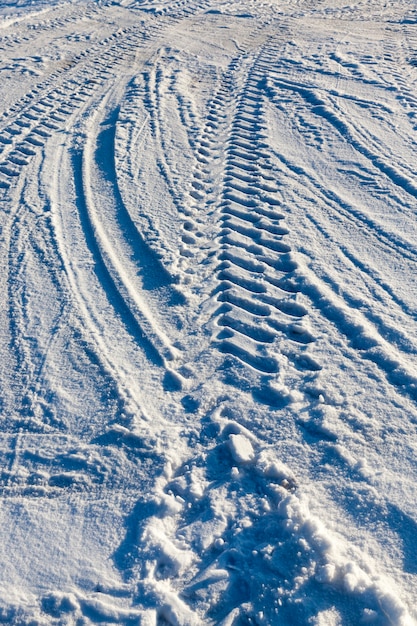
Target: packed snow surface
208	318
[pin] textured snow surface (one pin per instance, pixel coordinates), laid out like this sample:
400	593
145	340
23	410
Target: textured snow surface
208	355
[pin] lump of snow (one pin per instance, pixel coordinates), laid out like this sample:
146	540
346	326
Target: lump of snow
329	617
241	449
170	559
269	466
326	573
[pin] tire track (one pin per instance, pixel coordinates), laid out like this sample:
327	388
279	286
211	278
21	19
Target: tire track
256	288
391	347
328	110
119	247
389	240
201	195
31	30
36	121
257	316
37	412
31	133
189	544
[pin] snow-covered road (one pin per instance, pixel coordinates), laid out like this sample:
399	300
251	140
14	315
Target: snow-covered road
208	356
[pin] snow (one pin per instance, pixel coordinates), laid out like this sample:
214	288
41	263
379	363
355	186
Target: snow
208	333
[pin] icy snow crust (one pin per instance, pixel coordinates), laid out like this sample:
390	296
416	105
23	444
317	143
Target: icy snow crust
208	315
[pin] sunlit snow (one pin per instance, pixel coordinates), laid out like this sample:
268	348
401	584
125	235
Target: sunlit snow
208	366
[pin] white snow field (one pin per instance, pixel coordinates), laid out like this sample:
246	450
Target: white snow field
208	312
